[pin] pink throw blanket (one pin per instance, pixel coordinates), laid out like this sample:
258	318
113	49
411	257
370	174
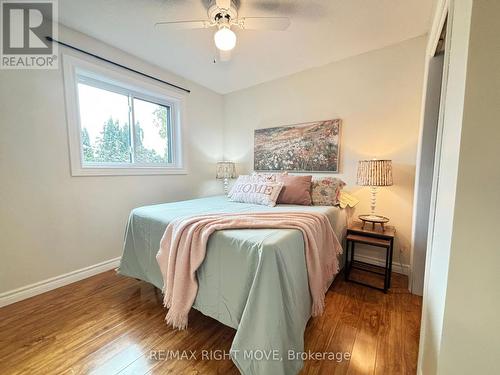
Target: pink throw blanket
183	247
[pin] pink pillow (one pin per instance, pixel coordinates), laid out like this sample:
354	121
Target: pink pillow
296	189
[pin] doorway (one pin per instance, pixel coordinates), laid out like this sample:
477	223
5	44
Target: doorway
425	164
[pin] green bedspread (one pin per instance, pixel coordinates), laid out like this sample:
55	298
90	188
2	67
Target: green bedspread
254	280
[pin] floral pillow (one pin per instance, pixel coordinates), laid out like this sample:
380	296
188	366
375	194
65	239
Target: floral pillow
325	191
250	189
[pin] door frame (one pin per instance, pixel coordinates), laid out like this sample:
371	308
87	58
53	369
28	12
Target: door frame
458	14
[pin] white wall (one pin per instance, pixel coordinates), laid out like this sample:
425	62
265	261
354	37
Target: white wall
52	223
378	97
470	329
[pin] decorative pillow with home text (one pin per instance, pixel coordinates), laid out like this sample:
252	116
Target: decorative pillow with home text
250	189
268	176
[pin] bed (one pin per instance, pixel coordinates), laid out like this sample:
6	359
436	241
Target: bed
253	280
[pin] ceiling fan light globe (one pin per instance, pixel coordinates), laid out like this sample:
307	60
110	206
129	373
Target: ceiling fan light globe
225	39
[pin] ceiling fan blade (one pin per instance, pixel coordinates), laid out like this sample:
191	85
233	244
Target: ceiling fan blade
224	4
224	56
183	25
265	23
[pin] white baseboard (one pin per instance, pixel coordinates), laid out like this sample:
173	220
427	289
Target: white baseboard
396	267
43	286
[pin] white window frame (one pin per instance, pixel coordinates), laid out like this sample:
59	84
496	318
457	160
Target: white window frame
104	77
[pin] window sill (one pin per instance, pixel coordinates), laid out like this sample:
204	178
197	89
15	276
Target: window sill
138	171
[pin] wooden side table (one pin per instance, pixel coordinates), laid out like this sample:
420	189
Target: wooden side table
378	237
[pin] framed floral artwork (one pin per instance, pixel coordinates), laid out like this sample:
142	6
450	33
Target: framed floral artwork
307	147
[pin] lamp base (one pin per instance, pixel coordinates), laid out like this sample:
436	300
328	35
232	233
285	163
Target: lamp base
373	219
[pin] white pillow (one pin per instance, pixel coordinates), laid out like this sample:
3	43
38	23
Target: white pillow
249	189
268	176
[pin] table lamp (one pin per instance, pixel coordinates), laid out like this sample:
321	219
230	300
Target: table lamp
225	170
374	173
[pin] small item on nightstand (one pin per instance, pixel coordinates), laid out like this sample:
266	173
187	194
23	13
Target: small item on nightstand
374	173
374	220
225	170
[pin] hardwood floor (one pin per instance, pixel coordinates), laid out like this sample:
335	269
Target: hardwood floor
109	324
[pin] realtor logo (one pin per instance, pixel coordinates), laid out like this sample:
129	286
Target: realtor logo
26	25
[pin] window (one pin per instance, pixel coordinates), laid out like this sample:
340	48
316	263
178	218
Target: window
121	128
119	125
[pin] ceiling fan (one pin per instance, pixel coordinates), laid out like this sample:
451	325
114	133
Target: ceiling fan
223	14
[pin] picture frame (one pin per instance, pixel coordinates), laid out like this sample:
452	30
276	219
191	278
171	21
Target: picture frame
305	147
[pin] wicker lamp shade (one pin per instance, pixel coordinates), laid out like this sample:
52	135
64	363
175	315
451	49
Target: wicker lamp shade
225	169
374	173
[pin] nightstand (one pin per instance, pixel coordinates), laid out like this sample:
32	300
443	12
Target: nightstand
374	236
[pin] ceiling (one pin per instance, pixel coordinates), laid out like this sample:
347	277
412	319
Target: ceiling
321	31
